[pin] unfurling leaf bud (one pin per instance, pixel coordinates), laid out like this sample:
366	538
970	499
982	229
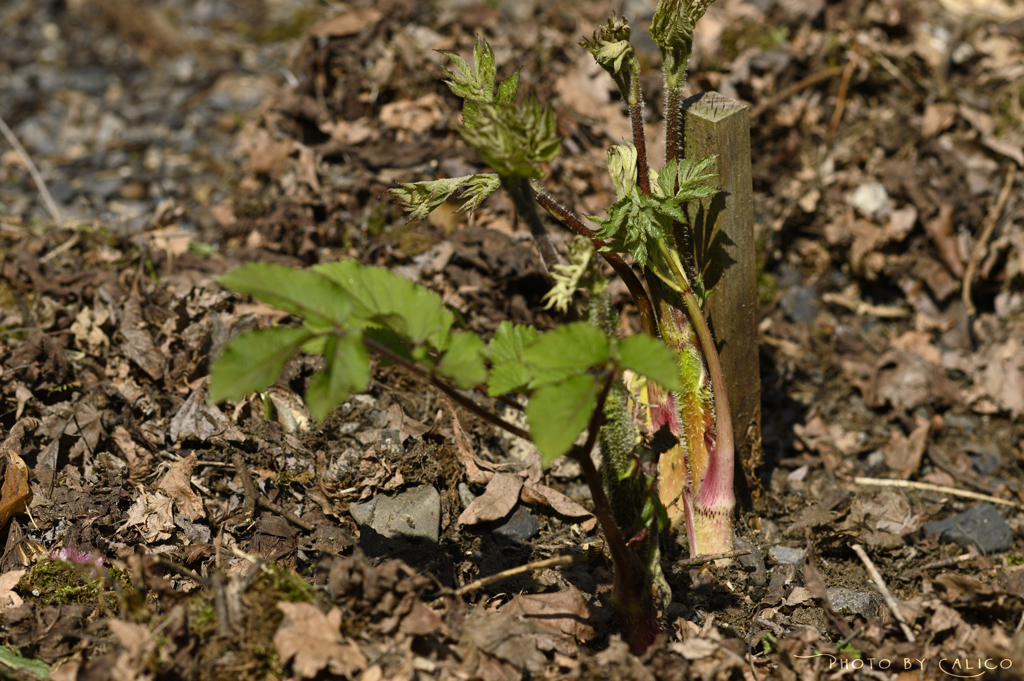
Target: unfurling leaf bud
612	50
622	159
672	30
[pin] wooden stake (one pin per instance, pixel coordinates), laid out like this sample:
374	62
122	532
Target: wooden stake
724	251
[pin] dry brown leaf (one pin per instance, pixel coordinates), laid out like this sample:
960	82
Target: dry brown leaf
940	229
474	473
348	22
418	115
938	116
1002	381
903	453
138	345
270	156
347	132
309	639
153	516
563	505
564	613
8	598
15	493
496	502
178	486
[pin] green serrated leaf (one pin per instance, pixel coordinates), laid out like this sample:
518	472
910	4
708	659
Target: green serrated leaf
568	350
508	89
514	140
476	84
509	341
477	189
300	292
483	63
558	413
382	297
252	361
347	371
506	378
463	363
649	357
419	199
506	350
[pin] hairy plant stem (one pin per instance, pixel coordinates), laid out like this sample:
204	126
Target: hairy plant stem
714	499
641	624
521	193
448	390
636	289
636	120
673	121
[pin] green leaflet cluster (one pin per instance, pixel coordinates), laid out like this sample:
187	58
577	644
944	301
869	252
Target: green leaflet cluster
512	139
637	222
348	309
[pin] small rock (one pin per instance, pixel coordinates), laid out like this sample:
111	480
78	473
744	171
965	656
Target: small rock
985	458
753	562
781	575
981	527
413	514
871	199
62	191
848	602
801	304
520	528
784	555
465	496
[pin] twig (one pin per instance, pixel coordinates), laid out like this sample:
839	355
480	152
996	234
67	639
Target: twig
844	84
51	205
557	561
701	560
927	486
876	577
249	487
946	562
984	234
287	515
783	95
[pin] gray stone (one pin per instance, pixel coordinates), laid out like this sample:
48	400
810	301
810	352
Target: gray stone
783	555
781	575
981	527
413	514
62	191
466	497
848	602
801	304
753	562
520	528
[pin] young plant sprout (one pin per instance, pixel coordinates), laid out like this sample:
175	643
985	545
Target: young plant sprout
655	401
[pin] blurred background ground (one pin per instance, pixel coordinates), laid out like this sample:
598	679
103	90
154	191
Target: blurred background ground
178	138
